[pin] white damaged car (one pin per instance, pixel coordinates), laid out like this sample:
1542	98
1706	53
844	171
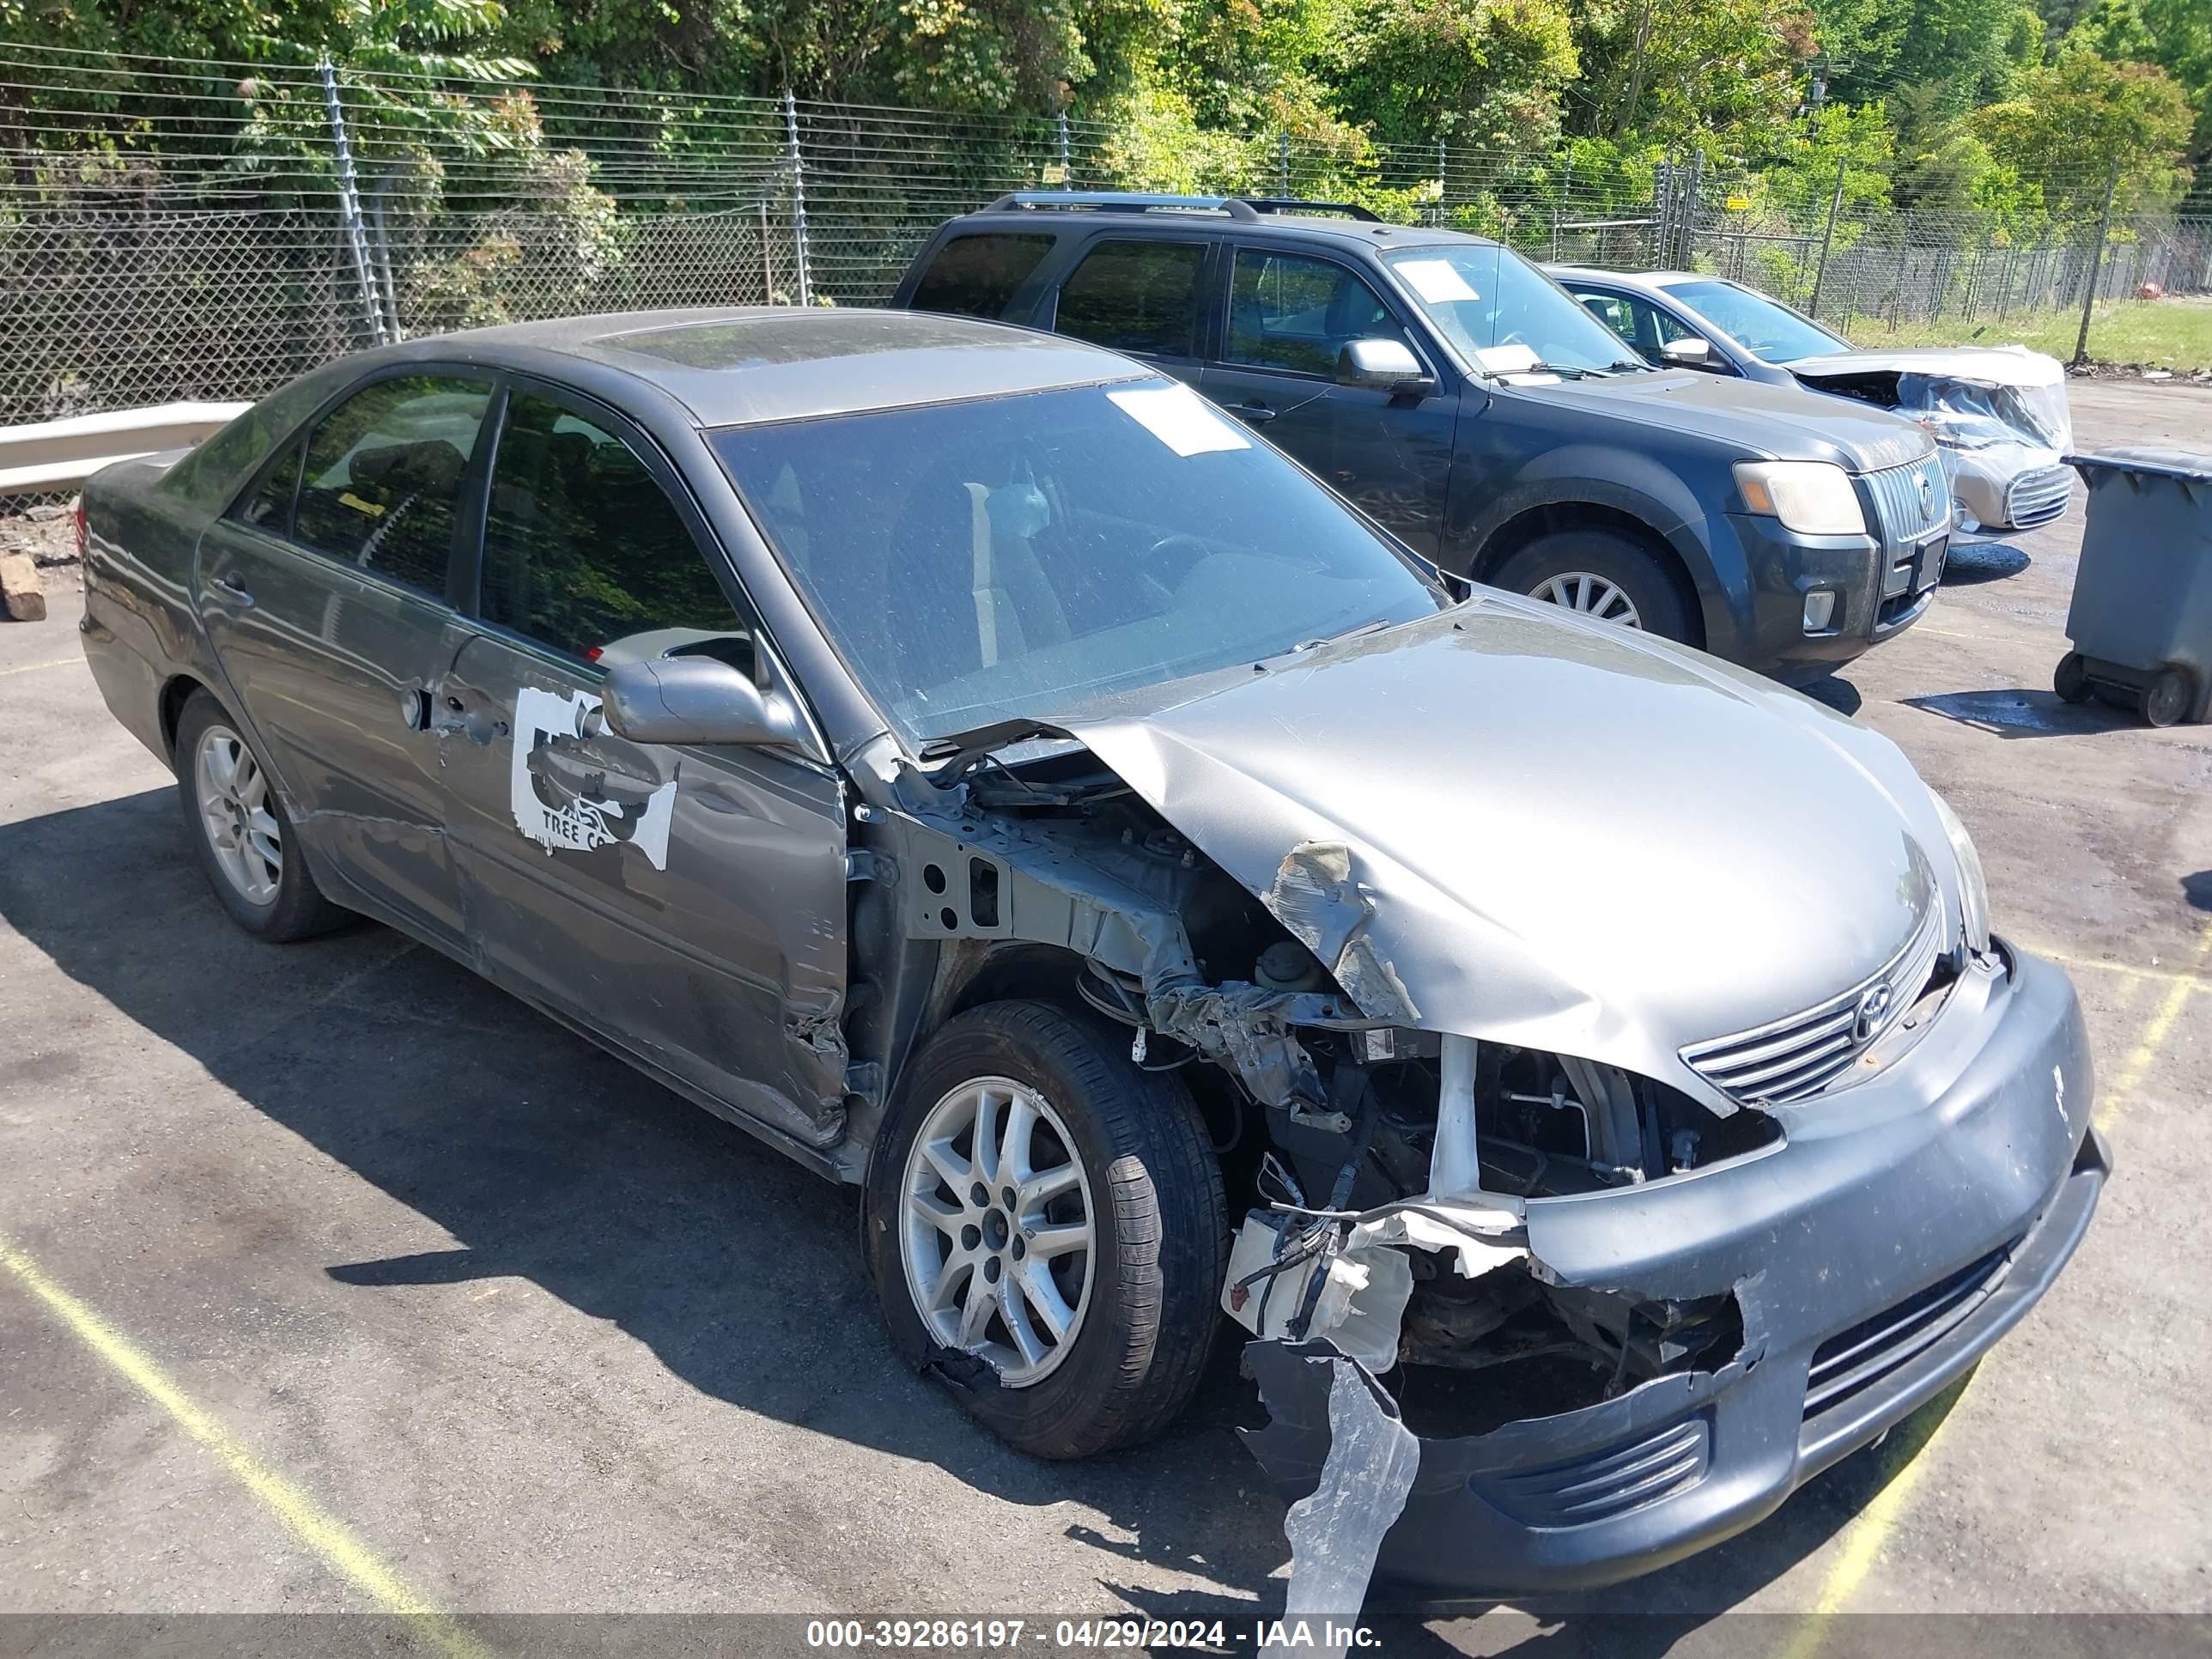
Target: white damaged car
1998	413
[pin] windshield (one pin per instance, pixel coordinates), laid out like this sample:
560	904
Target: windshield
1769	330
1482	298
1022	556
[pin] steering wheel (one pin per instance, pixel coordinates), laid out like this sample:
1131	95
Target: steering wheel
1198	544
1159	591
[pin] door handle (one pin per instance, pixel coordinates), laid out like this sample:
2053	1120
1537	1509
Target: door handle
233	589
1252	414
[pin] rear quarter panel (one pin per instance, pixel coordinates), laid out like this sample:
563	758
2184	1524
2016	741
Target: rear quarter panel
139	630
143	520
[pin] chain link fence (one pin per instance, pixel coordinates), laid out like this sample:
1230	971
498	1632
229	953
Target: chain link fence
207	230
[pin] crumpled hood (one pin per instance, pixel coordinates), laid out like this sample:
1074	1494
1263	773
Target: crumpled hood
1989	365
1970	398
1781	422
1571	837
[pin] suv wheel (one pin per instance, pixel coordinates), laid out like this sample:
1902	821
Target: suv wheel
1600	573
238	827
1046	1229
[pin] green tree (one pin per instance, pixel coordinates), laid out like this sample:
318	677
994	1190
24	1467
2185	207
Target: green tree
1961	52
1488	73
2174	34
2092	113
1684	71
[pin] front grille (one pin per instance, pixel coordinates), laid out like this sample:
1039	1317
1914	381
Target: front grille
1911	502
1854	1360
1789	1059
1599	1486
2038	497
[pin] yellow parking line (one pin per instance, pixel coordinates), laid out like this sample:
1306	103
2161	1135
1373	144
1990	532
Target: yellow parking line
1869	1531
32	667
2188	979
326	1537
2138	1064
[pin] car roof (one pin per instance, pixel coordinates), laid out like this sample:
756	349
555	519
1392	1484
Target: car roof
736	365
1306	227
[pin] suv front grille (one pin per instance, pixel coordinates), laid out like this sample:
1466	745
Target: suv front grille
1912	501
1789	1059
2038	497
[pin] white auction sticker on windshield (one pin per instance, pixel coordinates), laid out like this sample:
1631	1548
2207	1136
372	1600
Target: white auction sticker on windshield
1437	281
1179	418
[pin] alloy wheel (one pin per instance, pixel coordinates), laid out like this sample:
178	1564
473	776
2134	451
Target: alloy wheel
995	1229
232	793
1591	595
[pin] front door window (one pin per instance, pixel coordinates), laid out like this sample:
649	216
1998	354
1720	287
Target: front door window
583	550
1289	312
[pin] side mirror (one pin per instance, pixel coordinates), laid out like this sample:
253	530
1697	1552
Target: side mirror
1689	353
1382	366
695	700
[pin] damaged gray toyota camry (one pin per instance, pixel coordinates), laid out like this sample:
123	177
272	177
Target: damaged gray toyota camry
967	760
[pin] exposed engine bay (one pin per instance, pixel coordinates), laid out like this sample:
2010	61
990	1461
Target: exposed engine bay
1380	1169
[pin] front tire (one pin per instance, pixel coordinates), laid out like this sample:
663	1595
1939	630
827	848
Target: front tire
1601	574
1046	1229
239	827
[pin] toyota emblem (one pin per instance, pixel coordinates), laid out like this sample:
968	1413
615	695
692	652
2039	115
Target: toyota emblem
1873	1015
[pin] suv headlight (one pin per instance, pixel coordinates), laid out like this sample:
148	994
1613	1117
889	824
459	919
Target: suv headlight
1973	886
1814	498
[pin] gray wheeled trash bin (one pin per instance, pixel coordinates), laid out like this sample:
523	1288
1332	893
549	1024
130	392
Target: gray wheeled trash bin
2142	619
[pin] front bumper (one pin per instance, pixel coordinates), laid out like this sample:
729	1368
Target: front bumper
1785	567
1905	1225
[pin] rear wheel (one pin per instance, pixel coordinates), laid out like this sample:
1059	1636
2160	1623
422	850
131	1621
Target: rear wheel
1602	575
1046	1229
238	826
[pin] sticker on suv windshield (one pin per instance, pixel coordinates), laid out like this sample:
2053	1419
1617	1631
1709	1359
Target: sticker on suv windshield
1437	281
564	799
1179	418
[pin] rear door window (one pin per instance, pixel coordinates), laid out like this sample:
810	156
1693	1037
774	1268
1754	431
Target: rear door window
382	484
978	276
584	550
268	504
1135	297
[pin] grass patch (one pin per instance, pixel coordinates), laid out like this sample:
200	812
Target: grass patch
2172	333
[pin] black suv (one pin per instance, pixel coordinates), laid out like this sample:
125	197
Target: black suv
1454	392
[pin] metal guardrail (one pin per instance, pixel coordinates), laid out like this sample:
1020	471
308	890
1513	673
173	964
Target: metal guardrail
48	456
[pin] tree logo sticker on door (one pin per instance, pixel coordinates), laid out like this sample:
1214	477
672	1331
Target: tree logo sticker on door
563	797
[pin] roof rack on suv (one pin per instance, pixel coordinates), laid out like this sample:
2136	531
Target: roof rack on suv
1297	204
1245	208
1124	201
